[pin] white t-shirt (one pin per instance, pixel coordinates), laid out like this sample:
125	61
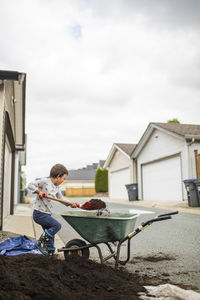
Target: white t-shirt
46	186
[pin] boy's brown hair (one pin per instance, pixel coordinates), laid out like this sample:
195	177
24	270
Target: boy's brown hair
58	170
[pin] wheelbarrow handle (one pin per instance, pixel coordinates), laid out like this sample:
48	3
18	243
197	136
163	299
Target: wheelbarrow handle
157	219
143	226
169	214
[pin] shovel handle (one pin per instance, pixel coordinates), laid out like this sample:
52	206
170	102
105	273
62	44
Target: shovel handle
60	200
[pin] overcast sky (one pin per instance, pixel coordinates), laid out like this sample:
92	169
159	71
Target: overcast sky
99	71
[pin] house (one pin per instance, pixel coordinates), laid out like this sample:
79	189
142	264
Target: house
12	139
166	155
81	182
121	170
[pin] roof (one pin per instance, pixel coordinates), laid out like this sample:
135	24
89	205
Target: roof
181	129
11	75
127	148
101	163
81	174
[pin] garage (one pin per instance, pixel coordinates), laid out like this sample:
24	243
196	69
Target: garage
118	179
162	180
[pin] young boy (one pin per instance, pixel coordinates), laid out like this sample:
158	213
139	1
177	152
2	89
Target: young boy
42	206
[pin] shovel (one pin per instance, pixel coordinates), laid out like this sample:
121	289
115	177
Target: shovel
93	204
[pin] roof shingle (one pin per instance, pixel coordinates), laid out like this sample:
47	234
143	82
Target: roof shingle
127	148
181	129
81	174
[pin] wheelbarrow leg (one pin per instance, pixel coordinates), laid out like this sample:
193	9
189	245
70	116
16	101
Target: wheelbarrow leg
100	254
112	253
117	260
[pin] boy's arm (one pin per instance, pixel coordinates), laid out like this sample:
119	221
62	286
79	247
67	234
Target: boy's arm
60	195
35	187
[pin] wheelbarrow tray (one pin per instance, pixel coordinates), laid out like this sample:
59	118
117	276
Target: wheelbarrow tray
101	229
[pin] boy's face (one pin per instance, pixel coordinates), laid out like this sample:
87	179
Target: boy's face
58	180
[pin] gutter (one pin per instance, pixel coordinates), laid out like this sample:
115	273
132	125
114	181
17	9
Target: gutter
190	139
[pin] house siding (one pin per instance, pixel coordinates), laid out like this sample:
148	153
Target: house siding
119	161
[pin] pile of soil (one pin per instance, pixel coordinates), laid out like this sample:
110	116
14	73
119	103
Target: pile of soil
28	276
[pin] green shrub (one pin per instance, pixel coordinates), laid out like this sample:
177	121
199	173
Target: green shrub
101	180
21	183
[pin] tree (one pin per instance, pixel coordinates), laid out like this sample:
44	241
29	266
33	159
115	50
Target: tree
105	179
175	120
101	180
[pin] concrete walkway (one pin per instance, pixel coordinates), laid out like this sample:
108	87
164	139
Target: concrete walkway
22	223
173	205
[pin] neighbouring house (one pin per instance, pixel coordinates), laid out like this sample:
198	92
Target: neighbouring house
12	139
121	170
81	182
101	164
166	154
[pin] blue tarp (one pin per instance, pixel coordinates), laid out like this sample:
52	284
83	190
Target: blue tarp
18	245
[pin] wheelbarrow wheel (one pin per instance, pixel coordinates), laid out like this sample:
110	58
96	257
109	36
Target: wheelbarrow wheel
76	243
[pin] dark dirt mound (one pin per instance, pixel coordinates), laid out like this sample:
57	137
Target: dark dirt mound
154	258
28	276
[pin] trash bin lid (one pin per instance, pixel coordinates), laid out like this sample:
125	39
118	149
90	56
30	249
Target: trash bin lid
191	180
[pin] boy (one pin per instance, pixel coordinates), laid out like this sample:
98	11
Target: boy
42	206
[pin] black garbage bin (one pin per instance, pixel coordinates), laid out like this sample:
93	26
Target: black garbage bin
21	196
132	190
197	183
192	194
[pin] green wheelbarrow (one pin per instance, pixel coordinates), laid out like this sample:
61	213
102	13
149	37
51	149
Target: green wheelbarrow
112	230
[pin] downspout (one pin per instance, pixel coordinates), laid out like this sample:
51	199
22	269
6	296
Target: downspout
196	163
189	162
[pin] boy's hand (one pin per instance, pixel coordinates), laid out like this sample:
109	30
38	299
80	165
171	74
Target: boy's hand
74	205
40	194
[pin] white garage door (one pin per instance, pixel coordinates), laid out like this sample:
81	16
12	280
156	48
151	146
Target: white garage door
162	180
117	181
7	180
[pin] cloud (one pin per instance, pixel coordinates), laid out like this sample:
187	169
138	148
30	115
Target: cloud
76	31
172	14
99	71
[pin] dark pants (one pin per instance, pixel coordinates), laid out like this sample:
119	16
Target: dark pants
47	222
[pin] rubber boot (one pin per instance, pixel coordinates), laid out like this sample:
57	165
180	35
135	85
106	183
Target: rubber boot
41	244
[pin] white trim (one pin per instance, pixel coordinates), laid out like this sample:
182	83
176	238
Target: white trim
111	154
161	158
151	127
124	168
